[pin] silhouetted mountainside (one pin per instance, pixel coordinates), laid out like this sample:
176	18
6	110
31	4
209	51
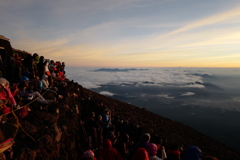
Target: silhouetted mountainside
55	132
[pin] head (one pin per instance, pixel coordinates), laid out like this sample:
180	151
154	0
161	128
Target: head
53	74
92	114
193	153
35	55
41	59
125	122
126	138
56	73
44	77
141	154
1	86
107	111
23	85
151	149
26	74
4	82
107	143
88	155
146	137
15	54
99	117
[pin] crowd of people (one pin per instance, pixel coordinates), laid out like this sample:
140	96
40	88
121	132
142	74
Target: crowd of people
30	78
24	81
108	142
35	75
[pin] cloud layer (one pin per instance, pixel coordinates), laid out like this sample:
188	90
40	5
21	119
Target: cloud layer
93	77
206	87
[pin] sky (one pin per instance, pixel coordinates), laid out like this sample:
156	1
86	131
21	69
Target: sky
126	33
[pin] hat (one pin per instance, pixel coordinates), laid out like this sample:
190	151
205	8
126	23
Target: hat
141	153
146	137
3	82
107	143
151	149
35	55
88	154
26	73
147	134
44	77
193	153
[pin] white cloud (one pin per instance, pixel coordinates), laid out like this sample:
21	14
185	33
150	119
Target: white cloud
165	96
106	93
219	18
188	94
158	76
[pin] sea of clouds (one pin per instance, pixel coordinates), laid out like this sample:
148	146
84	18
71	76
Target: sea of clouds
215	87
94	77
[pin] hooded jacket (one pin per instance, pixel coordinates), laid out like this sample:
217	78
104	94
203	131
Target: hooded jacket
5	92
141	154
44	84
108	152
193	153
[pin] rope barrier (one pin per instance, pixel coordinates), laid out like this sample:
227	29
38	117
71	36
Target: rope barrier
19	125
17	120
24	105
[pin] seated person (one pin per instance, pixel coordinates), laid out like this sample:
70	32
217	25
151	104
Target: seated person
5	93
25	76
29	95
6	99
44	84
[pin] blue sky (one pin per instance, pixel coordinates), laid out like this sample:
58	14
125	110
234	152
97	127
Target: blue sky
126	33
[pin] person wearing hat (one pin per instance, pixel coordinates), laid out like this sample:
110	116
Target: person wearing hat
193	153
152	151
143	142
5	92
108	152
141	154
25	93
44	84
